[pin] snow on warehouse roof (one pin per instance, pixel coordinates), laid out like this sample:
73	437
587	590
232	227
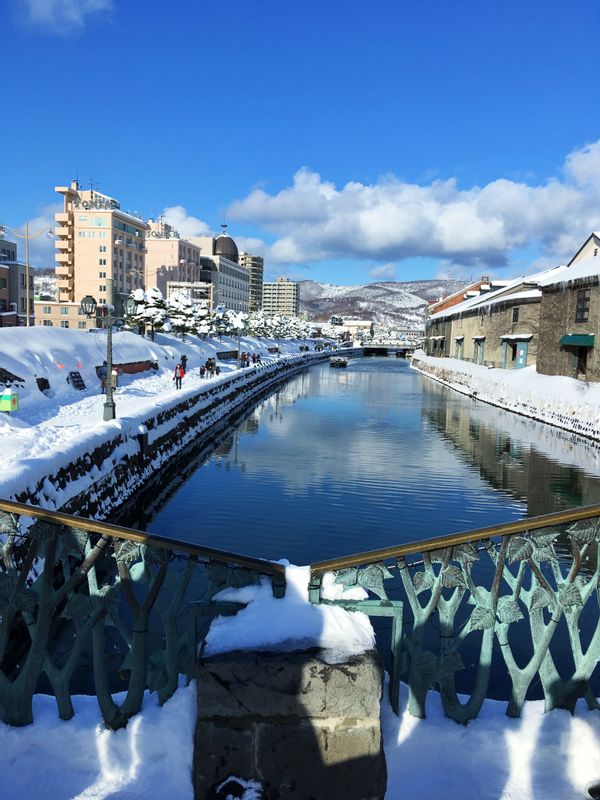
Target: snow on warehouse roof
588	268
507	292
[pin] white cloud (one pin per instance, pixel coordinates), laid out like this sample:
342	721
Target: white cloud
41	243
385	271
184	223
391	220
65	17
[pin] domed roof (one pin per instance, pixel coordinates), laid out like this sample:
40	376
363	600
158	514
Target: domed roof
226	247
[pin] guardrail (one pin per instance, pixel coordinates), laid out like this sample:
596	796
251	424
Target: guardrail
80	596
519	600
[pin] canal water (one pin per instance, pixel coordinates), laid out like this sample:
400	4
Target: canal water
338	461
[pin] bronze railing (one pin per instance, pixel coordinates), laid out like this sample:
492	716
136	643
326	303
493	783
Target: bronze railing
121	604
514	603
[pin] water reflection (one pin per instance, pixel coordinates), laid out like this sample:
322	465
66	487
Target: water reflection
339	461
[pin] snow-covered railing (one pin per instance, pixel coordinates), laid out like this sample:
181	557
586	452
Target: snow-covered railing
499	611
109	608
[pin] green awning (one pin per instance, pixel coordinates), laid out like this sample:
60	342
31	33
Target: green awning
578	340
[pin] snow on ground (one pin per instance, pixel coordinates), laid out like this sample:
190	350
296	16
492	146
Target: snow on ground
565	402
552	756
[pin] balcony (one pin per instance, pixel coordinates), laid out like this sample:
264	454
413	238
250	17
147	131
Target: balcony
63	217
63	244
63	272
61	230
64	258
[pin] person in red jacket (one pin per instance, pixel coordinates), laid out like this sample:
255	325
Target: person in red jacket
177	377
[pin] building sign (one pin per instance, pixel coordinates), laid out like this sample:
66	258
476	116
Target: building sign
162	234
99	203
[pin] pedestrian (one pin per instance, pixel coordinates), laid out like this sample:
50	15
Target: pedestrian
177	377
258	359
183	362
254	358
202	371
217	370
102	374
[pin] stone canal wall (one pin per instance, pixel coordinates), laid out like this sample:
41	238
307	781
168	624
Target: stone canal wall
97	474
560	402
292	723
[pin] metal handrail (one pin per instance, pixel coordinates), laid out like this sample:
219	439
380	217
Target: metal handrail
141	537
454	539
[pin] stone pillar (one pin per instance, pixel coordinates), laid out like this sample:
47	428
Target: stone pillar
298	726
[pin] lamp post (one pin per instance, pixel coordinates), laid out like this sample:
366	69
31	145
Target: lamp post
27	236
88	306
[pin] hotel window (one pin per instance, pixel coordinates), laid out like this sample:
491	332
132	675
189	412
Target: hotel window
81	324
46	309
64	323
515	314
3	283
102	274
582	310
47	323
102	262
64	310
102	248
22	281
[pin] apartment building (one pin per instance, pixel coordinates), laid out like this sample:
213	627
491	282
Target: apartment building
169	258
281	297
255	266
14	295
100	251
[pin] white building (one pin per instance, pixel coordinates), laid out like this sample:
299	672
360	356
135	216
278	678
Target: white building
281	297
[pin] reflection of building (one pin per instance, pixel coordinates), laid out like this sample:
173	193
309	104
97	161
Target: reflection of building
169	257
230	279
281	297
508	457
95	242
255	266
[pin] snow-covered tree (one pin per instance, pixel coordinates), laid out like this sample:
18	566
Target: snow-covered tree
180	309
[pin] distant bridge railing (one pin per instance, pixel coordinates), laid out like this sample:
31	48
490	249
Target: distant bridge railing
513	604
125	609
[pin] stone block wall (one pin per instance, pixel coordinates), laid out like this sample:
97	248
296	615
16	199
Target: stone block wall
298	726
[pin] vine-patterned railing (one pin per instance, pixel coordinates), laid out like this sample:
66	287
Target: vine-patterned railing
83	597
517	601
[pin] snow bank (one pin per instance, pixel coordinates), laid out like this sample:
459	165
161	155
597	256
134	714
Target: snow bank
564	402
82	760
553	756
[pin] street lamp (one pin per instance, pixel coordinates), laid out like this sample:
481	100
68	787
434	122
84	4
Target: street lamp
27	236
88	306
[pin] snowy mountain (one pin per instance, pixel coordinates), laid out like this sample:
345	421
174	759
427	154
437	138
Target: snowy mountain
386	302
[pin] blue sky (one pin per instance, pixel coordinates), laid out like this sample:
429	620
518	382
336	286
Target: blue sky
346	141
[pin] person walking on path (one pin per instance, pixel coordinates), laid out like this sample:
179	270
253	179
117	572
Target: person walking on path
183	362
177	377
102	374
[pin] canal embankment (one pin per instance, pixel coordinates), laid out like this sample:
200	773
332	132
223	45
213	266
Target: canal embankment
92	466
566	403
